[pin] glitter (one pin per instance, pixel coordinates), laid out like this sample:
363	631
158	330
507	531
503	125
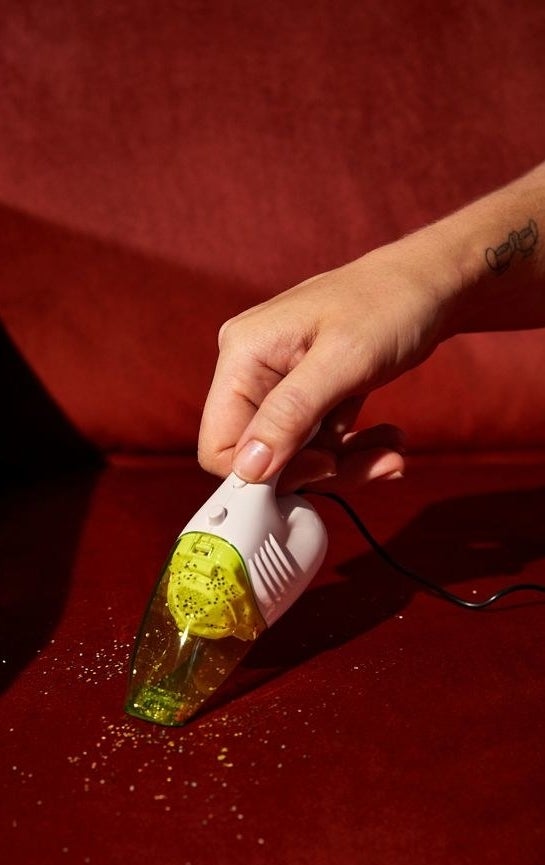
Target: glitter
260	840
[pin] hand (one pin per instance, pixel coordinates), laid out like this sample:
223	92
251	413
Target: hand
312	354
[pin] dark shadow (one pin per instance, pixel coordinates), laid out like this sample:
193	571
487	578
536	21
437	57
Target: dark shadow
471	537
47	473
36	438
40	525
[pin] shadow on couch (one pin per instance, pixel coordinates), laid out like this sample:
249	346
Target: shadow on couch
47	474
125	340
466	538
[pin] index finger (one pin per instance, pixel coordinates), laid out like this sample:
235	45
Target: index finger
238	388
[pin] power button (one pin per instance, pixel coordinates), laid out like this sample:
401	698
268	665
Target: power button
217	516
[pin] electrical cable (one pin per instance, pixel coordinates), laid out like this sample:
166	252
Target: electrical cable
432	587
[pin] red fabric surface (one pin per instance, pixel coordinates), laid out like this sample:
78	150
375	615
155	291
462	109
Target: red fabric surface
265	141
373	723
164	168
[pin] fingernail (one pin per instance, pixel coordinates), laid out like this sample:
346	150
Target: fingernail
252	461
392	476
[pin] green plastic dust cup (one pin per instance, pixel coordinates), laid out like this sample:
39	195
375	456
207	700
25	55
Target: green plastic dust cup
201	620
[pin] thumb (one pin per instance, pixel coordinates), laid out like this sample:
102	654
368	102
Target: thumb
287	418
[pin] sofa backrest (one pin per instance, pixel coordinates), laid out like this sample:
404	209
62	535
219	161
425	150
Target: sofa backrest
165	165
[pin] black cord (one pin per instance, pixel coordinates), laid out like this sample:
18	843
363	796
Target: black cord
412	575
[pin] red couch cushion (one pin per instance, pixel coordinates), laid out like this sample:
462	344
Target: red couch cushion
372	723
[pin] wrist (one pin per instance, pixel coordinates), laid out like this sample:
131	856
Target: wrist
494	245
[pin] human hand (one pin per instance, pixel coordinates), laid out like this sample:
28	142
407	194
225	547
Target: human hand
311	355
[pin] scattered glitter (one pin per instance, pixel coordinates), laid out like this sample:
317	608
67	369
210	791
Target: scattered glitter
162	756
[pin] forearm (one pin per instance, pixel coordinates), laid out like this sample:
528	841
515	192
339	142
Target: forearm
497	248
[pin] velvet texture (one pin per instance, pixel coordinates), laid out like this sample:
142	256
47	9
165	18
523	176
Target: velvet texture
373	723
162	167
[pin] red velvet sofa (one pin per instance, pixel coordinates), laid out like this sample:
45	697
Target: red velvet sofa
164	166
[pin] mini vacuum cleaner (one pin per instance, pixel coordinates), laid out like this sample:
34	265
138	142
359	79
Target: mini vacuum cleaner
236	567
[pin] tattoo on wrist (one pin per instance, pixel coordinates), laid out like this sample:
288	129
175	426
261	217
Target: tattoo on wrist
523	241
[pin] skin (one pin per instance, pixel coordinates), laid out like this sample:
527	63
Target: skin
312	354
